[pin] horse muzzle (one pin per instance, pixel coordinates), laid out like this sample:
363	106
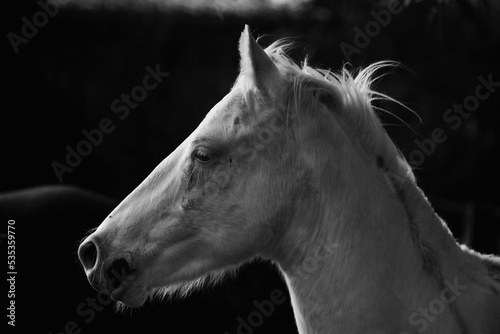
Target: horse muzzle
113	274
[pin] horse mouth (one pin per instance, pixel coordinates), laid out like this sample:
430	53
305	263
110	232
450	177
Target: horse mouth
124	283
131	296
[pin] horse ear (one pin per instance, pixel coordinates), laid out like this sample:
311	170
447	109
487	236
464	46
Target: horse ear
256	64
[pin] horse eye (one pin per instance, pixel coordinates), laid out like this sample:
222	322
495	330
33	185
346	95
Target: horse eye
202	156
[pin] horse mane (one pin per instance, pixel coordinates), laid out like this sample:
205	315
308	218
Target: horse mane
350	95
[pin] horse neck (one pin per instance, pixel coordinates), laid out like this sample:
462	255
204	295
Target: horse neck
352	257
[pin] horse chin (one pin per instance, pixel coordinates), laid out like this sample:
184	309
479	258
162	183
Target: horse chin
182	289
130	303
132	297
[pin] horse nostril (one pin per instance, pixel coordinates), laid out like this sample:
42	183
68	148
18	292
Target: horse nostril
87	252
118	272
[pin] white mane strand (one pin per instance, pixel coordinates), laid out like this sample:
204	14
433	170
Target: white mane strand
354	96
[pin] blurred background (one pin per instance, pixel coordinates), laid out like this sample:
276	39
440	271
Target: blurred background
68	61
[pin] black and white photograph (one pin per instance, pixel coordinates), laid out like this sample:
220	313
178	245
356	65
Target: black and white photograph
251	167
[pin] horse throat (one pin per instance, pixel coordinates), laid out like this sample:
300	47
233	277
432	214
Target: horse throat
369	253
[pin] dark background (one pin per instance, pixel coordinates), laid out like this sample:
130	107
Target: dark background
65	78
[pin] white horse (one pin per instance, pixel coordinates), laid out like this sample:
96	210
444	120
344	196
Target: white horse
294	166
